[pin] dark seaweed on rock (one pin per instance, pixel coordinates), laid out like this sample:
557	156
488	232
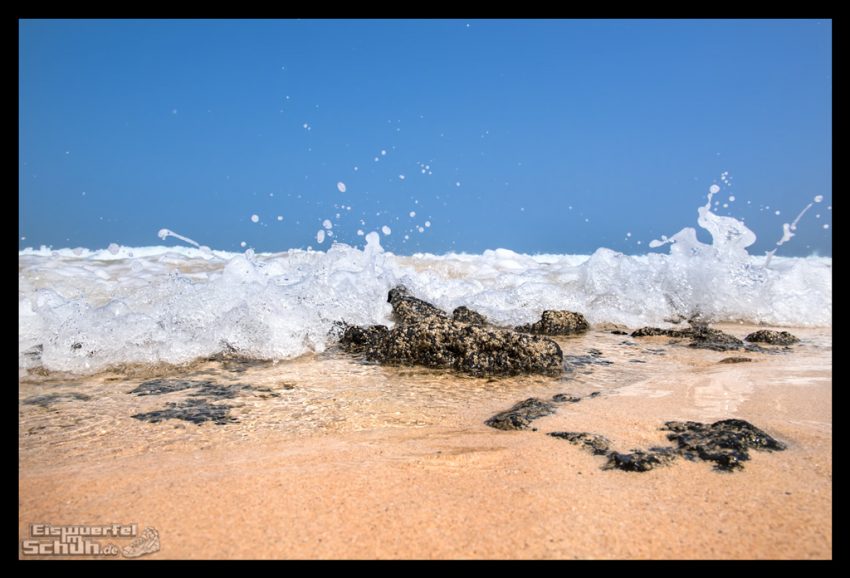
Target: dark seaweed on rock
521	414
425	335
772	337
557	323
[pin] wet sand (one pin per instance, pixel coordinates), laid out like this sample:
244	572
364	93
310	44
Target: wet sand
359	461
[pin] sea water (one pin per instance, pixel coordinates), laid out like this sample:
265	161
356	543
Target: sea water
82	311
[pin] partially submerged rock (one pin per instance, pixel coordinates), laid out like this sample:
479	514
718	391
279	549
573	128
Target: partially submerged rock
726	442
196	411
466	315
521	414
639	460
656	331
735	360
407	308
163	386
701	336
566	398
425	335
714	339
49	399
772	337
557	323
596	444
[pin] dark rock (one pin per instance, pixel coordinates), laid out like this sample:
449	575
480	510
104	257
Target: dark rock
424	335
596	444
229	391
593	357
49	399
618	332
702	337
724	442
202	388
734	360
655	331
566	398
161	386
467	315
364	340
408	308
714	339
557	323
640	460
197	411
521	414
772	337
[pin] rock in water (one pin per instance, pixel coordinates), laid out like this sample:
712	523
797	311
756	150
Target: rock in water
702	337
557	323
726	442
424	335
772	337
521	414
596	444
640	460
407	308
735	360
466	315
705	338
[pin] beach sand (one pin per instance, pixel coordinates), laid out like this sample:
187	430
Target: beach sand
361	461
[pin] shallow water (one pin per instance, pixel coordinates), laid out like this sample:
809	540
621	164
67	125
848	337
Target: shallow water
77	416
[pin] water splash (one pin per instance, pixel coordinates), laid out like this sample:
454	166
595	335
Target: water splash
165	233
789	228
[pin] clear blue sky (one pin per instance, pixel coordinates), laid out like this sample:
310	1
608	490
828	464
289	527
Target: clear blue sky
564	135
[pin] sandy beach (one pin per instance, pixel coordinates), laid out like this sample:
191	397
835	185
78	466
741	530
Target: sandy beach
330	458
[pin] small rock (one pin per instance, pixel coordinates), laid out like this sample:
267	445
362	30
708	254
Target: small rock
196	411
566	398
772	337
596	444
467	315
521	414
734	360
49	399
640	460
724	442
557	323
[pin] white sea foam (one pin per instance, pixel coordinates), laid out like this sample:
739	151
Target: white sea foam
82	311
173	304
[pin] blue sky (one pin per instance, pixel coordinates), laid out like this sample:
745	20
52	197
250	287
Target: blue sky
538	136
